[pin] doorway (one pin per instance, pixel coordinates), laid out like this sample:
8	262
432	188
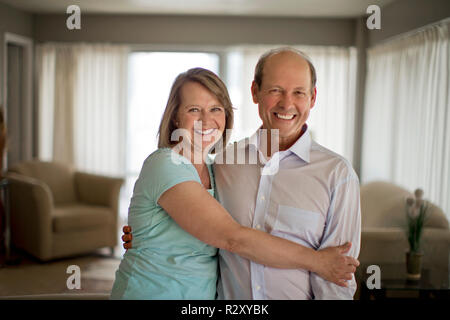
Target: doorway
18	99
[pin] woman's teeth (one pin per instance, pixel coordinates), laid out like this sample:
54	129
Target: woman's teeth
285	116
205	132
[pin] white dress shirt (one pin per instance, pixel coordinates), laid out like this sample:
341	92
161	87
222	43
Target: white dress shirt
313	199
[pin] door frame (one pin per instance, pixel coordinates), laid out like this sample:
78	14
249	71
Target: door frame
27	145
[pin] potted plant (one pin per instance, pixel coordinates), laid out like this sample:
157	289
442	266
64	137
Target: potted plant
416	210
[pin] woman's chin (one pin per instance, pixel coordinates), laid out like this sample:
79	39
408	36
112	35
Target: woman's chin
205	147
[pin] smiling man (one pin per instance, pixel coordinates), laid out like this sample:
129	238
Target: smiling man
286	95
312	198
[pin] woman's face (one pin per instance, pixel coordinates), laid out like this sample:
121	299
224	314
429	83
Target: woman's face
201	115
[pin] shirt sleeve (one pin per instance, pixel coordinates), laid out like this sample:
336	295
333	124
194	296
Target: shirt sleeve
343	225
163	170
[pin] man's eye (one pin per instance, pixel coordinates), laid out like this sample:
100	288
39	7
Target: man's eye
300	93
275	90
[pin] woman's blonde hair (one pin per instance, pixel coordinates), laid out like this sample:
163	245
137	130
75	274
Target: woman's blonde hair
212	83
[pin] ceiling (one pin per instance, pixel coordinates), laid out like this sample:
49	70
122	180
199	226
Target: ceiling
273	8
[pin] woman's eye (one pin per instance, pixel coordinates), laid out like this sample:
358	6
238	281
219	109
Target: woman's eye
193	109
215	109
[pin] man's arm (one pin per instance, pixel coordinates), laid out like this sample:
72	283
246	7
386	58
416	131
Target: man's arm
343	225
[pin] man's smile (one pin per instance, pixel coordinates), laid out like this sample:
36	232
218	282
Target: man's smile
284	116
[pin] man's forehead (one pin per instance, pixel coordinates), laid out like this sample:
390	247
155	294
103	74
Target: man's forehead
282	66
286	57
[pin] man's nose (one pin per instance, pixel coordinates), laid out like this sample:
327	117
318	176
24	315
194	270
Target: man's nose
287	101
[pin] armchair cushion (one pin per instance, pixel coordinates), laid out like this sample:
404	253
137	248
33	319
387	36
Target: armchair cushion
58	177
79	217
97	190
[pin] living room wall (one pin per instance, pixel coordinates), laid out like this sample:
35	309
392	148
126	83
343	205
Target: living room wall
197	30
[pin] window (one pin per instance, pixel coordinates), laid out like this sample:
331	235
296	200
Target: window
406	138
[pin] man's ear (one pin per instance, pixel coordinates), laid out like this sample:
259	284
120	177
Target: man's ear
255	90
313	98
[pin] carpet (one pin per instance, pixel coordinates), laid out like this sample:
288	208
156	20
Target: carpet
31	277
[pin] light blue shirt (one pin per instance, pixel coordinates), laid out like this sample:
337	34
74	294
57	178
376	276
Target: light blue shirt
165	262
313	199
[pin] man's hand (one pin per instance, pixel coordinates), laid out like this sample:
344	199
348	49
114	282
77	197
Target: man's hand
334	266
127	237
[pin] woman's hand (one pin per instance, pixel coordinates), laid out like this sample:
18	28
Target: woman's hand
334	266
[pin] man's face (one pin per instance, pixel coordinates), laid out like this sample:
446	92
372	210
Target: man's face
285	98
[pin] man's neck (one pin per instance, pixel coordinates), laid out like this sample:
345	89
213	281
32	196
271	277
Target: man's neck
269	149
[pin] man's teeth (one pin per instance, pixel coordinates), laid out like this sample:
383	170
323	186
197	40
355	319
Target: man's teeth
284	116
205	132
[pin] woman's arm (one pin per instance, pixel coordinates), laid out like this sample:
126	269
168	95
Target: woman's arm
198	213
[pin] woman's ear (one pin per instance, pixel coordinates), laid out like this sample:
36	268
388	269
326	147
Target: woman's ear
175	122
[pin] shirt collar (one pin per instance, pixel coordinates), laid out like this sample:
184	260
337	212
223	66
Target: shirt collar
301	148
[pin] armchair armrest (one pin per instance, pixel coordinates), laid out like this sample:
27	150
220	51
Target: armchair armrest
31	206
98	190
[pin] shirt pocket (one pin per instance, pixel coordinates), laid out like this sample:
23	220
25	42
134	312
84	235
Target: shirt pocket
299	225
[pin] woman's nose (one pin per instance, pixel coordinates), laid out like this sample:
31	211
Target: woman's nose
205	116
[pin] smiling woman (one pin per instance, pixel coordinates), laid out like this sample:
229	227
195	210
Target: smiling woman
171	263
202	117
147	96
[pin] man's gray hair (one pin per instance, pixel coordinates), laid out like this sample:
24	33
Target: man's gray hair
262	60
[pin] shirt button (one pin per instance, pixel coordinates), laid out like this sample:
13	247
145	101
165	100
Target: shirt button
262	198
258	226
258	287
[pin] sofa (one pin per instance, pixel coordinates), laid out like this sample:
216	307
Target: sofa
383	228
58	212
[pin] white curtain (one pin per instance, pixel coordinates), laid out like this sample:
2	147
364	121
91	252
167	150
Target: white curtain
331	120
406	136
82	105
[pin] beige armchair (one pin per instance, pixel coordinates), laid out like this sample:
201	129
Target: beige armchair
58	212
383	237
